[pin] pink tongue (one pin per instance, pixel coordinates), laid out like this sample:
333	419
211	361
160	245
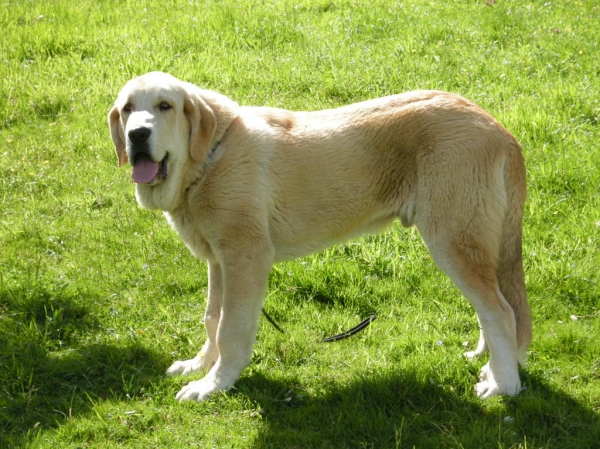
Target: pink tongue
144	170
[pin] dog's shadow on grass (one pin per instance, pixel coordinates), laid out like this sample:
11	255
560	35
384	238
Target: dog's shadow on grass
42	386
48	375
402	410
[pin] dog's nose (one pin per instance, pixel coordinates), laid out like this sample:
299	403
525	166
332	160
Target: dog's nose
139	135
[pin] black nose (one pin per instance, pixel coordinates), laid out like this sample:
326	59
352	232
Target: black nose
139	135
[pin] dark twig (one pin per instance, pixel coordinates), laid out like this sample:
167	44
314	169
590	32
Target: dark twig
270	320
350	332
341	336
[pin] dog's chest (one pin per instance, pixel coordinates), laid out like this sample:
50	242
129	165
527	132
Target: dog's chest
191	233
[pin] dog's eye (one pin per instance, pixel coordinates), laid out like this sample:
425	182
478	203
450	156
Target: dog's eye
164	106
127	108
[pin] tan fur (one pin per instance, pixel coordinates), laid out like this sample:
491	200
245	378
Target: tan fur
250	186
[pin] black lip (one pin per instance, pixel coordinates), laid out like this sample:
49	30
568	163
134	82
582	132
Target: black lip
163	167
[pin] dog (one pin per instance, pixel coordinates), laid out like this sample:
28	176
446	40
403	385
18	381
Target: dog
246	187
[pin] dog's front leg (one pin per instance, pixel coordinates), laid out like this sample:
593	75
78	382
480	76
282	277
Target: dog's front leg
245	275
209	353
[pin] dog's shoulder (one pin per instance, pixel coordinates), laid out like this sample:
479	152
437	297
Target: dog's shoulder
278	119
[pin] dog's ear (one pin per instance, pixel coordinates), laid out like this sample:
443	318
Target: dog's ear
203	125
116	132
210	114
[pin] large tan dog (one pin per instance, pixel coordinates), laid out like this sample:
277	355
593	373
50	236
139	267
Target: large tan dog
249	186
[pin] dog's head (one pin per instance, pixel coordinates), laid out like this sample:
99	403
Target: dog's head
162	126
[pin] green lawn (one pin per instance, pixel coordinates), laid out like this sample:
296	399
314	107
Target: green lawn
98	297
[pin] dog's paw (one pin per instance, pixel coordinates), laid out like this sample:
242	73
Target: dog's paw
204	361
199	390
489	388
195	391
184	367
486	389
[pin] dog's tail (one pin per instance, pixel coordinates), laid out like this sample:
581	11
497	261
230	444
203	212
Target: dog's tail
510	269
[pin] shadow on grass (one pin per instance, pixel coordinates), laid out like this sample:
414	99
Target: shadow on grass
48	375
42	386
399	410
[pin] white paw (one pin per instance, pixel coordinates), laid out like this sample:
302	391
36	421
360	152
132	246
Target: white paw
486	389
200	389
195	391
184	367
489	388
204	361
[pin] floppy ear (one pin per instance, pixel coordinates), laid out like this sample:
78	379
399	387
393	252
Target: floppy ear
203	125
116	132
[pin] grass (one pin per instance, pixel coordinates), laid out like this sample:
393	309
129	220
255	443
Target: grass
98	297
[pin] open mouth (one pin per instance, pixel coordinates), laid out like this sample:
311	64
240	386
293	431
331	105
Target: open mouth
146	170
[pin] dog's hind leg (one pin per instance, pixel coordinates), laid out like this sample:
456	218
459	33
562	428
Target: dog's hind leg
461	218
510	270
511	279
473	269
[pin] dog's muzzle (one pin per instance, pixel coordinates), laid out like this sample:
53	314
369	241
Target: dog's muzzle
145	169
